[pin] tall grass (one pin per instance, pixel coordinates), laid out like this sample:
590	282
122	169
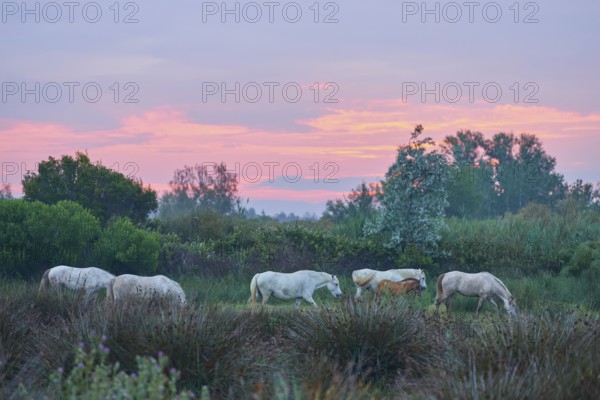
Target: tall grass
534	240
376	348
535	357
376	339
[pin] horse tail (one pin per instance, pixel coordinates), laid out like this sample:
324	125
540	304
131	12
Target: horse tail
365	281
254	289
110	291
45	284
438	286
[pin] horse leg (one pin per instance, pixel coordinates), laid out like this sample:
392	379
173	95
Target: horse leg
358	292
449	304
447	301
493	302
265	297
481	300
310	300
438	301
298	302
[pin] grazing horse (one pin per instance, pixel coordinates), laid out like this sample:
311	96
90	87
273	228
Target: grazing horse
368	279
399	288
296	285
483	285
144	287
90	280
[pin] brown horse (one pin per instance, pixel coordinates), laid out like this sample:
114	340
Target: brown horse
399	288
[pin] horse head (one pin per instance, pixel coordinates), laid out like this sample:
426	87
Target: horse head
334	286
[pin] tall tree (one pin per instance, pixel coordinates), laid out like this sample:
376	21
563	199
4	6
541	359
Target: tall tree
104	192
538	182
523	172
413	197
469	188
203	186
465	147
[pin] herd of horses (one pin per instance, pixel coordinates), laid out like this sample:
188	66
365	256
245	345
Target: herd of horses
297	285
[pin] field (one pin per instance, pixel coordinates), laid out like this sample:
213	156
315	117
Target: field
55	346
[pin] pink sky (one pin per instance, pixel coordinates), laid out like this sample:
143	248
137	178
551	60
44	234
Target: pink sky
345	142
366	55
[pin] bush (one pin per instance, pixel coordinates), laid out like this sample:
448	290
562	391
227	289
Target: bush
123	248
377	339
585	258
35	236
213	347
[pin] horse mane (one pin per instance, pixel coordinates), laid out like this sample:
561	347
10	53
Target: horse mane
500	282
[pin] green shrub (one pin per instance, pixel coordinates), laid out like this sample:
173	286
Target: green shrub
123	248
585	258
36	236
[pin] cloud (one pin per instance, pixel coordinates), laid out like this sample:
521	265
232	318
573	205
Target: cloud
357	140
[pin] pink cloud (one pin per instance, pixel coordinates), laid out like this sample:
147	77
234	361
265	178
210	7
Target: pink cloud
359	140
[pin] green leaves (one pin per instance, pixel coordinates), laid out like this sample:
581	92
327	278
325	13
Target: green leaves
414	197
104	192
127	249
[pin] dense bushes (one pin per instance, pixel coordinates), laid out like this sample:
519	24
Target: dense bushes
35	236
127	249
532	241
246	246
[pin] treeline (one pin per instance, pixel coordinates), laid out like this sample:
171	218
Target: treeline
469	203
35	236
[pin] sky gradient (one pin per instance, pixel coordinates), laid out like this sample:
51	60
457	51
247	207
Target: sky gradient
304	100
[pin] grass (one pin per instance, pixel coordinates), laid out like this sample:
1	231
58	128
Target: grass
376	348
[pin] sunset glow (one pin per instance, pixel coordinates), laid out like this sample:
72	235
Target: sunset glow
349	114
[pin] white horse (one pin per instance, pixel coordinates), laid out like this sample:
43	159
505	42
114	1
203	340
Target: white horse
368	279
296	285
90	280
144	287
483	285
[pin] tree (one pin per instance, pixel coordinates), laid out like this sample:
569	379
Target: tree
5	192
469	188
104	192
523	172
351	213
465	147
204	187
413	197
360	202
